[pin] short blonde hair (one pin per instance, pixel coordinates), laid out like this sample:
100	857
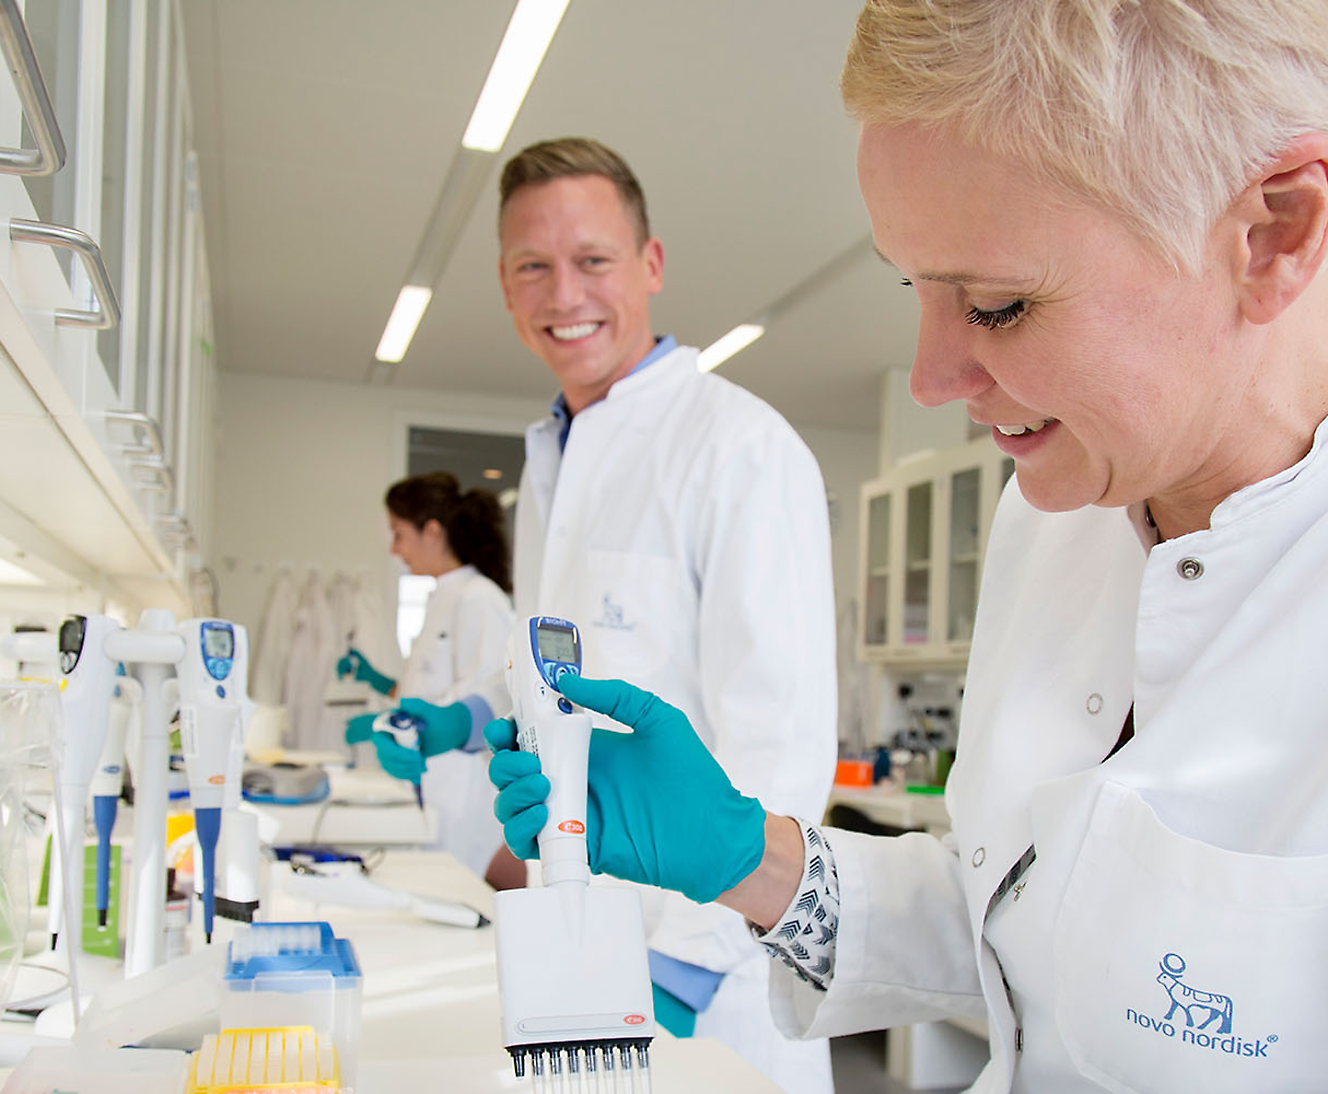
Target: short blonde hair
576	157
1158	111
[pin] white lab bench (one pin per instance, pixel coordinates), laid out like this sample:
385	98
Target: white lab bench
430	1015
365	807
431	999
933	1054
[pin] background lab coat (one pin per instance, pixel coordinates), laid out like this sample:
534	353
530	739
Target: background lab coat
462	643
684	530
1202	845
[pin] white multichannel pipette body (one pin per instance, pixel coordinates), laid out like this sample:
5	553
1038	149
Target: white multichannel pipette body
573	976
209	722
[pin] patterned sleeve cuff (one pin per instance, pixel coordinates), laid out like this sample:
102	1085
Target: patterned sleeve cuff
804	938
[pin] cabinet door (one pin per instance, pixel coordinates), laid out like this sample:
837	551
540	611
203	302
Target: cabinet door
876	585
919	500
964	555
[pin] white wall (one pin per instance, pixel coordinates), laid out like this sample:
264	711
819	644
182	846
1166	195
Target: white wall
301	470
848	459
302	466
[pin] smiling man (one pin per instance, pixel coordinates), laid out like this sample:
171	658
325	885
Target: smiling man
682	524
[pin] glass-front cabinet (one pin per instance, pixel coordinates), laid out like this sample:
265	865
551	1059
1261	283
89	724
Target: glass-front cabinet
924	528
106	370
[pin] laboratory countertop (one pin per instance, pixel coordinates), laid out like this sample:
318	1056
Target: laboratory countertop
890	803
365	807
430	1012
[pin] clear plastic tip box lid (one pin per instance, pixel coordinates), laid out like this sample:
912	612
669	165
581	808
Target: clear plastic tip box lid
289	957
295	974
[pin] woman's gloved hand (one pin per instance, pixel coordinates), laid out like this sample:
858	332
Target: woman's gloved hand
357	665
660	809
359	728
441	730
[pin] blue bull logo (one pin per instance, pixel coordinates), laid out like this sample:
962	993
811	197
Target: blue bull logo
1193	1003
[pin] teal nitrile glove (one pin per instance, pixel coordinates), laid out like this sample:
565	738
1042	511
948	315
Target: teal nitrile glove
672	1013
443	729
660	809
357	665
359	728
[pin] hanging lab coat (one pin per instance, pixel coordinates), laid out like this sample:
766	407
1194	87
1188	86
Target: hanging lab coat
684	530
1172	933
272	644
467	621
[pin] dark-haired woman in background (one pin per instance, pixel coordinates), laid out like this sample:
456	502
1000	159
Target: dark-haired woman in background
457	537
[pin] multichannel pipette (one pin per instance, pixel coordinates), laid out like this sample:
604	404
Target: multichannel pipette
573	977
405	730
108	781
209	719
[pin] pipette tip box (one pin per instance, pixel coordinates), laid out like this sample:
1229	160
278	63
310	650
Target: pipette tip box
295	974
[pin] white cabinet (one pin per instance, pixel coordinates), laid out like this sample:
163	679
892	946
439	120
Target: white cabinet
107	422
923	530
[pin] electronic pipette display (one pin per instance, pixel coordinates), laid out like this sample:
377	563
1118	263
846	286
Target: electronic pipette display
573	977
209	719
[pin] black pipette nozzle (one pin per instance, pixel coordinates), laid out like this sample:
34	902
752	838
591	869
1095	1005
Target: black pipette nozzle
518	1061
101	917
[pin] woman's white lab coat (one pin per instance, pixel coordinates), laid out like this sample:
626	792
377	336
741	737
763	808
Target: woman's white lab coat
462	644
684	530
1172	933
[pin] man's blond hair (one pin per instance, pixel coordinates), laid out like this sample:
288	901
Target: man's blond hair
1158	111
576	157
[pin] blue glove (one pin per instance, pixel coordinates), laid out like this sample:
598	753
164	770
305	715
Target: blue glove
660	809
443	729
359	728
672	1013
357	665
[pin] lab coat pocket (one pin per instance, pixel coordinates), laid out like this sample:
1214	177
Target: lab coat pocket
1184	966
636	610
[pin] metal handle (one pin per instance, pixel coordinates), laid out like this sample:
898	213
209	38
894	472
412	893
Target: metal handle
49	155
57	235
159	472
150	427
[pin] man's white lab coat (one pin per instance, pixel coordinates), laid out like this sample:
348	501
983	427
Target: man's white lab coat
684	530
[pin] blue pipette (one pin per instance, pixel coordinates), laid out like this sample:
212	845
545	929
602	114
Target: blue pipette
107	782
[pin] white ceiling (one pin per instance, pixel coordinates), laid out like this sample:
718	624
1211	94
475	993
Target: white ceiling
324	129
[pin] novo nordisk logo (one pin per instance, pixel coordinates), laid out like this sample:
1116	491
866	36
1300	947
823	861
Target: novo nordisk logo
612	616
1206	1015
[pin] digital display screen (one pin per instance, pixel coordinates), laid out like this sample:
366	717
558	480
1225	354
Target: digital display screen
71	634
218	642
558	644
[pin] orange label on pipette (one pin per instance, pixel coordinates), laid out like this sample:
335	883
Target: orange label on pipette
573	826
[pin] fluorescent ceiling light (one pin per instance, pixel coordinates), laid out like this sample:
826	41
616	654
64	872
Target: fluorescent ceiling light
16	575
529	33
720	350
406	315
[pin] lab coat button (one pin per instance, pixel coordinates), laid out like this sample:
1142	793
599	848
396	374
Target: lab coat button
1094	704
1191	569
979	856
